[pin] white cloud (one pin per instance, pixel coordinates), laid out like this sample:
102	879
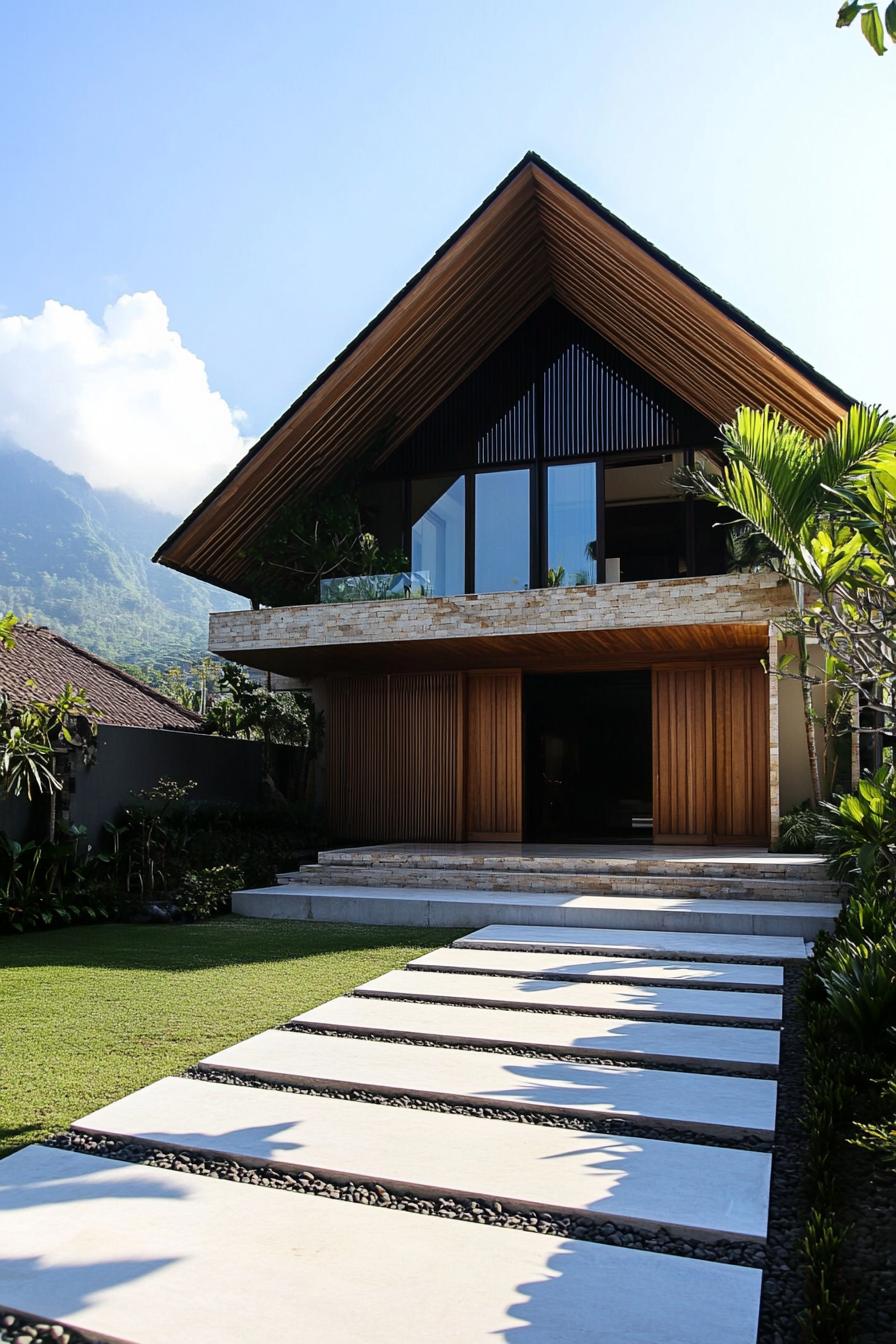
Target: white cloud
122	402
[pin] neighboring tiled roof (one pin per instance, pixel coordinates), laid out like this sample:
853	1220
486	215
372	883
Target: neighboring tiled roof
50	661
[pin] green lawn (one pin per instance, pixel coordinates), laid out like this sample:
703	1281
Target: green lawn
89	1014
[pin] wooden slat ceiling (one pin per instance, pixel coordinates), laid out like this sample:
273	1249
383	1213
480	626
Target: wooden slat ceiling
536	237
572	651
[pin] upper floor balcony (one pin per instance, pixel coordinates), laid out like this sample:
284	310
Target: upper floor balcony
513	628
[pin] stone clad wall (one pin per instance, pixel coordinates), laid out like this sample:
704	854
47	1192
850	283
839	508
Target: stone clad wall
721	598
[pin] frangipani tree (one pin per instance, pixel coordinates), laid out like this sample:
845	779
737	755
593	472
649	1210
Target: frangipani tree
817	503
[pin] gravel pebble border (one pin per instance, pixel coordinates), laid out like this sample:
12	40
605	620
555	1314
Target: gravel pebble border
553	1119
753	1023
783	1296
523	1052
489	1212
18	1329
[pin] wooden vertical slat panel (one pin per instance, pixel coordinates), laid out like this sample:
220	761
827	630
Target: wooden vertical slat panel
681	756
494	755
740	722
358	764
426	756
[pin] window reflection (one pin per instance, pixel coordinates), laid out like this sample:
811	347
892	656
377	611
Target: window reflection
645	520
502	531
572	515
438	533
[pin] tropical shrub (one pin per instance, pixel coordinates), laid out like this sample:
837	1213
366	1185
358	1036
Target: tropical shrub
859	831
49	882
859	979
800	830
869	913
204	892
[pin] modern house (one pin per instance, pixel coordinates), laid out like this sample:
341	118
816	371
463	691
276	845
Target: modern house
567	656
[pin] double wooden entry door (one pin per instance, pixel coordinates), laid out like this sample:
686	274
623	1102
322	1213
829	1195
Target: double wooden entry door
711	754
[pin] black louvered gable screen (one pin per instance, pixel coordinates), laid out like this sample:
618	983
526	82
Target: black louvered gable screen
555	390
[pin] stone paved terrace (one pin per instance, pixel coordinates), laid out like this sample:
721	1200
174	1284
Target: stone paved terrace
753	599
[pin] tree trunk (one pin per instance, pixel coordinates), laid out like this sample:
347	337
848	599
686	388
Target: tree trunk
809	719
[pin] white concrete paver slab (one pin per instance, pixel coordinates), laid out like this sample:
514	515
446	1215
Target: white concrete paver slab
148	1256
713	1005
568	966
691	1189
728	1107
636	942
748	1048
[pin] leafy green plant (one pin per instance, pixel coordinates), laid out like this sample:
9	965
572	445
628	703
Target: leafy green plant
48	882
829	1315
858	832
33	734
799	830
8	623
869	913
872	24
859	979
315	537
204	892
149	847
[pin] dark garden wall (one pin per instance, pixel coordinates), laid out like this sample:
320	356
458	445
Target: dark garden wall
130	759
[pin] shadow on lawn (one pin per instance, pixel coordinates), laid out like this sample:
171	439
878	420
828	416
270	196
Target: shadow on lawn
229	941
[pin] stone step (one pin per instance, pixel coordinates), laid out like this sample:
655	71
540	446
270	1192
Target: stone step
456	909
527	992
635	970
705	861
134	1253
565	884
691	1190
531	937
729	1108
749	1049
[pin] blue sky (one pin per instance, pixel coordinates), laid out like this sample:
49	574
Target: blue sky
275	171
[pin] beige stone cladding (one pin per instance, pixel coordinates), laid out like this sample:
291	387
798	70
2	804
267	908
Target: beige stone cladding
718	599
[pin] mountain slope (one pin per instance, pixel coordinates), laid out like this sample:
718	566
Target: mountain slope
78	560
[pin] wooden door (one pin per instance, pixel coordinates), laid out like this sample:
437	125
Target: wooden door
740	753
357	726
395	757
494	755
682	755
425	776
710	754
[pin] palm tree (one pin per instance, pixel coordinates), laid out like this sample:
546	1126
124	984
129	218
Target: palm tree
782	481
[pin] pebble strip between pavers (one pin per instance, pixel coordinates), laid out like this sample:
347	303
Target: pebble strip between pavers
183	1265
695	1190
528	991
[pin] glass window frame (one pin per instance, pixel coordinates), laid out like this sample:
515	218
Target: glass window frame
538	508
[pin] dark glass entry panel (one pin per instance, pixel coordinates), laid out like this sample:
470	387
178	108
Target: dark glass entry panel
588	756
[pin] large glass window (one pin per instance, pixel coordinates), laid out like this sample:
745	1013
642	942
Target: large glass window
572	521
438	533
502	531
645	520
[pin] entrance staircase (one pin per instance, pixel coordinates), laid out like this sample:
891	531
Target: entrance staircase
696	892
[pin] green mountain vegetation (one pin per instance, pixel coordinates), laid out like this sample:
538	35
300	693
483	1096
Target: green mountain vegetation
79	560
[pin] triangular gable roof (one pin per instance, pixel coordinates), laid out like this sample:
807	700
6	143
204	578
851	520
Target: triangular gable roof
536	236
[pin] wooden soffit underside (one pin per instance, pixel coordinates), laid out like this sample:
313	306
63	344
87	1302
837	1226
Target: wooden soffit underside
575	651
537	237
